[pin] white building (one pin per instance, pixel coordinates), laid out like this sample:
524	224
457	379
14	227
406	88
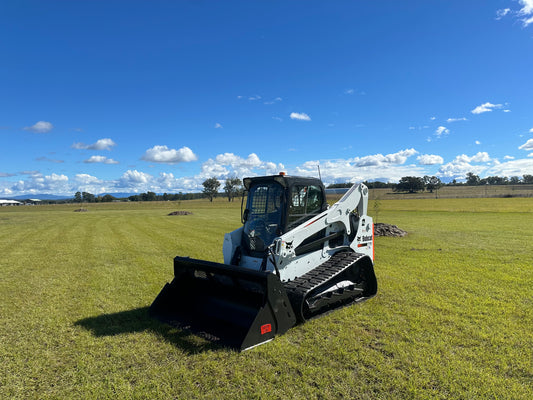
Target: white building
10	203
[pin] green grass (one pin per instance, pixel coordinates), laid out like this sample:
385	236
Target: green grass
452	318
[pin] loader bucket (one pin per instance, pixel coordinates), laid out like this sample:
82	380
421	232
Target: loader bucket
237	307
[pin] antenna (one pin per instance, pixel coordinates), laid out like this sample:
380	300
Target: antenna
319	176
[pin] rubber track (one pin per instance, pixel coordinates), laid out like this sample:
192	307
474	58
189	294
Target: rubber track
299	288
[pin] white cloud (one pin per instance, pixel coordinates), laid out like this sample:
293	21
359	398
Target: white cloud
100	159
218	126
502	13
300	116
40	127
433	118
254	98
349	91
164	155
526	10
132	178
485	107
477	142
508	158
44	158
511	168
38	183
229	164
383	160
101	144
456	119
442	130
278	119
531	130
389	167
462	164
527	145
86	179
429	159
276	100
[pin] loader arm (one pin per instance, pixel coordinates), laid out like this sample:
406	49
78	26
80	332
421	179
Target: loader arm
336	222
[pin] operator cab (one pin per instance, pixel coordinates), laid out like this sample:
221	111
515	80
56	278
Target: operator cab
275	205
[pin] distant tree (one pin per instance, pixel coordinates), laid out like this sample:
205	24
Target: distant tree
211	186
148	196
340	185
527	179
376	185
514	180
107	198
411	184
232	187
77	197
496	180
472	180
432	183
88	197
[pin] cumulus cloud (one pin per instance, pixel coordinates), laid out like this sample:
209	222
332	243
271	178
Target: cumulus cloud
300	116
218	126
429	159
39	183
485	107
441	130
527	145
382	160
229	164
388	167
100	159
6	174
164	155
135	179
462	164
101	144
531	130
40	127
477	142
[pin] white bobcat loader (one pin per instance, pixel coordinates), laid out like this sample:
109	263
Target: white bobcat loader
293	259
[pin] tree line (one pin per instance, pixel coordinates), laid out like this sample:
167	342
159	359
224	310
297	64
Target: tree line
414	184
233	187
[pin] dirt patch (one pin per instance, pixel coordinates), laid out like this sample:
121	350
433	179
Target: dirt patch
81	210
381	229
180	213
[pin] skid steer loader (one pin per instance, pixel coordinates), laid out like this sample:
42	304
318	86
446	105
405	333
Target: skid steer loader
294	258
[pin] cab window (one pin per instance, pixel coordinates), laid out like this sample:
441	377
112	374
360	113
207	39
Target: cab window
305	202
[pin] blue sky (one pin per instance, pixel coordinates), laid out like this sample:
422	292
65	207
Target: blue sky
129	96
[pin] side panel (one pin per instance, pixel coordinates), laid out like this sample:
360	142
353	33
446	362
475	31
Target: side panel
232	240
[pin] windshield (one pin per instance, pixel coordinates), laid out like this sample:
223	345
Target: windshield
262	216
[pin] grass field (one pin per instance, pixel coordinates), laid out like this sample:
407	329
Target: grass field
452	319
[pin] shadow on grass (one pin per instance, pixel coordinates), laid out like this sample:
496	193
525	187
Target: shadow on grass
138	320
